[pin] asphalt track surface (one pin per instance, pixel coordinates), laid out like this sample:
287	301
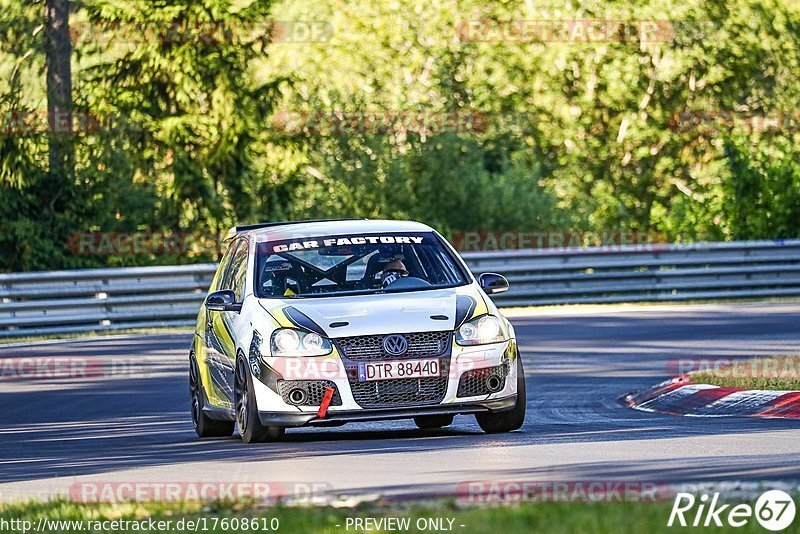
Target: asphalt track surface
134	425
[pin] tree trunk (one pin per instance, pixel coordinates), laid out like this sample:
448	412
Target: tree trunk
58	53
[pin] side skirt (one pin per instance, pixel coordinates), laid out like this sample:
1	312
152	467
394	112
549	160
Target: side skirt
220	414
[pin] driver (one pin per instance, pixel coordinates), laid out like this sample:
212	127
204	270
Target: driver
394	270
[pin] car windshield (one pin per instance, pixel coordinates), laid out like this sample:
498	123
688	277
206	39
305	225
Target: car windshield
354	264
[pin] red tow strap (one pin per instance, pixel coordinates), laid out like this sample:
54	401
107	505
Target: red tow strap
326	401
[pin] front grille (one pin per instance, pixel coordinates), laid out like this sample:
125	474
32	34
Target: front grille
399	392
473	383
420	345
315	390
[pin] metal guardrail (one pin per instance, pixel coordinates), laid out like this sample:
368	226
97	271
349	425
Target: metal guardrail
98	299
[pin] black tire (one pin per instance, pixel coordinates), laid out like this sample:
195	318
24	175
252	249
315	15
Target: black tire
204	426
250	428
494	423
430	422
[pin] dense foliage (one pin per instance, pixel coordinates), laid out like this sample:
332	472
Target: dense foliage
193	115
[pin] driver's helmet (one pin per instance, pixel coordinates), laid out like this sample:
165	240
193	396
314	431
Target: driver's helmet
393	271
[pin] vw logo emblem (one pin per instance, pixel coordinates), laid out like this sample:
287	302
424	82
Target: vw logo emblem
395	345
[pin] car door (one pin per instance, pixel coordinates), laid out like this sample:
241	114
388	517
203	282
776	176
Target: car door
225	326
220	340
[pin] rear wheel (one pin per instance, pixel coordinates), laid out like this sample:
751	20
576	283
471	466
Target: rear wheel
429	422
204	426
493	423
250	427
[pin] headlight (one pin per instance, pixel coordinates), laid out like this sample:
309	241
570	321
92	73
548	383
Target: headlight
291	342
480	331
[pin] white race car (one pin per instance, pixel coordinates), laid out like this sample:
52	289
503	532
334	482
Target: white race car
336	321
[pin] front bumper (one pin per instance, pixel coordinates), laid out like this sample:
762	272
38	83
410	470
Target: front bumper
295	419
350	405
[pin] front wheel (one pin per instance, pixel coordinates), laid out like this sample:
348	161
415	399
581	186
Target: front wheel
250	427
493	423
204	426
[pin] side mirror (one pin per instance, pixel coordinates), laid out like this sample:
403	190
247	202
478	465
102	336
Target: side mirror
493	283
222	300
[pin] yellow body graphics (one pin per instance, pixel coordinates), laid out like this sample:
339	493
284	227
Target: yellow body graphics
278	314
480	308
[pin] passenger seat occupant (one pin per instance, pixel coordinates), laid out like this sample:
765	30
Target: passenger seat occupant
393	271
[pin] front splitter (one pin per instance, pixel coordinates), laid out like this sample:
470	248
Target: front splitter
289	419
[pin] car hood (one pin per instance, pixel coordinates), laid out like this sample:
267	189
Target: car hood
419	311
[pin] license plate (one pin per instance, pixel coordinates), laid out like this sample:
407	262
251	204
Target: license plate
368	372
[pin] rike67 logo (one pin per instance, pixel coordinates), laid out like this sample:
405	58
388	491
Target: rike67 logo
774	510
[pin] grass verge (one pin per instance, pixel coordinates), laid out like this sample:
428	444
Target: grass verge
774	372
553	518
